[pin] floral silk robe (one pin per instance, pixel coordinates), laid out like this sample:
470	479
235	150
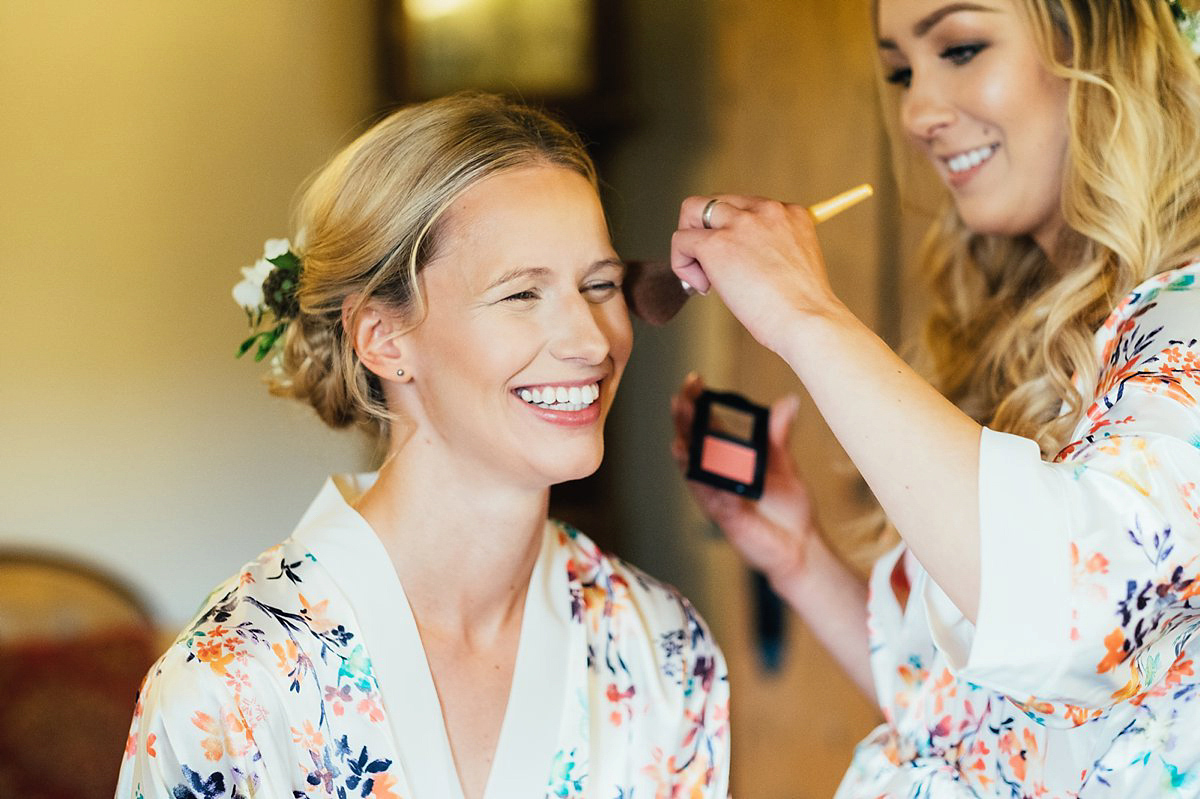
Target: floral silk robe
1079	677
304	676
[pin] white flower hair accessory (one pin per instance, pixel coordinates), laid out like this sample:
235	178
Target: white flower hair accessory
1188	22
269	286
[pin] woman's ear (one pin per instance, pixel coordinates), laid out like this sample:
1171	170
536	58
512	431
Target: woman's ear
377	333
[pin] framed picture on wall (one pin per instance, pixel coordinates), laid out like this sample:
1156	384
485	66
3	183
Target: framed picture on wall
535	48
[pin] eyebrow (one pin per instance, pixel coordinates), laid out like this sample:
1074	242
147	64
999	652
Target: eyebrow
520	271
926	23
535	272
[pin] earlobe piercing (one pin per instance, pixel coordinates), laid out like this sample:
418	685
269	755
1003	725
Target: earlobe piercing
399	373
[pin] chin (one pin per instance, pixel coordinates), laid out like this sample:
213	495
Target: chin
584	465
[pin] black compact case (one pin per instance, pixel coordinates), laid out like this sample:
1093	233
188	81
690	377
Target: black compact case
728	447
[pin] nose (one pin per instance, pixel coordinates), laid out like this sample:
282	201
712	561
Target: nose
579	333
925	111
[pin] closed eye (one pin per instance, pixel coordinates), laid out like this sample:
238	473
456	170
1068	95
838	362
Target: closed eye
522	296
600	290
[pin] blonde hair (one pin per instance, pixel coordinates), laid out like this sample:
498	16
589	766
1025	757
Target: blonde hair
1010	337
373	218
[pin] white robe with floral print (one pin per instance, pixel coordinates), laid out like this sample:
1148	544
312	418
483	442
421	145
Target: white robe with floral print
304	675
1079	677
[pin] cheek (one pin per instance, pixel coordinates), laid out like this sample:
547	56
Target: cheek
619	332
1001	101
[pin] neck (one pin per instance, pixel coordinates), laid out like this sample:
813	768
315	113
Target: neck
1052	241
463	543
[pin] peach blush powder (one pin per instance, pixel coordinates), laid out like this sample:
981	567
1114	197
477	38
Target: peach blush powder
729	460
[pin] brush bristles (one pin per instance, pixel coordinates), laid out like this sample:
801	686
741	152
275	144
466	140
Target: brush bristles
652	291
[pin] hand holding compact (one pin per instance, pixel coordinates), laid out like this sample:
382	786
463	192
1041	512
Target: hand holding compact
773	532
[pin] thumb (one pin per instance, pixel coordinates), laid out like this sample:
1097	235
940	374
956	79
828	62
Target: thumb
780	420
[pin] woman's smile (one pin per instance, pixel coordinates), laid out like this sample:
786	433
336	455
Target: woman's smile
570	403
962	167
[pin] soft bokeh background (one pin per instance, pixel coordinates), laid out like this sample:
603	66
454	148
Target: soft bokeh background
148	148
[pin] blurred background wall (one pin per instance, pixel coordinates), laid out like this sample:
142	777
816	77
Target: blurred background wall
146	151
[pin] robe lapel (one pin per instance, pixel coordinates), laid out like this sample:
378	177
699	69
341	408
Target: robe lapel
533	720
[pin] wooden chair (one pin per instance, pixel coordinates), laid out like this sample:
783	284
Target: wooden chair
75	643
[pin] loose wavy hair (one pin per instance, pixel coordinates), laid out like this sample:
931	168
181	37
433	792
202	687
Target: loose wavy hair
1010	337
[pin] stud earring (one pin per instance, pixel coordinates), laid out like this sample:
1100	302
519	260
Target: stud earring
399	373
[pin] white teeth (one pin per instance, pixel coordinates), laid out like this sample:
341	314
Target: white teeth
973	158
561	398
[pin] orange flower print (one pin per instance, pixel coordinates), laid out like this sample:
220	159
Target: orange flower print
316	615
213	653
286	653
226	735
1179	669
1131	688
308	737
382	788
1114	642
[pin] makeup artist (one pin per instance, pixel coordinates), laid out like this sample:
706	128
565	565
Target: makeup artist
1031	635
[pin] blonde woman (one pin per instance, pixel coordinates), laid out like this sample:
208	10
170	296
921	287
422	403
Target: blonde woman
427	632
1032	635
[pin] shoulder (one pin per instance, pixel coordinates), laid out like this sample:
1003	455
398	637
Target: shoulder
245	631
1150	343
638	611
1161	310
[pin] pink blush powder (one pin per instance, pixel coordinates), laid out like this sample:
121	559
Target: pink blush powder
730	460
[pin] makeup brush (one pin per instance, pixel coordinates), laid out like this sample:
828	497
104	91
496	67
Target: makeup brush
654	294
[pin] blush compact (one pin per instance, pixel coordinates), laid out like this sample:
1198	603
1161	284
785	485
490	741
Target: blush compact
728	448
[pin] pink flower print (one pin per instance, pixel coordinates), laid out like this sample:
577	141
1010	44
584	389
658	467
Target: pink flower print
340	697
624	707
369	707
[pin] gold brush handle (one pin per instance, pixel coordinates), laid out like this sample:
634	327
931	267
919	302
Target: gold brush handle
827	209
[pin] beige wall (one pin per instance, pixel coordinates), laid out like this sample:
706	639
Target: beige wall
146	151
148	148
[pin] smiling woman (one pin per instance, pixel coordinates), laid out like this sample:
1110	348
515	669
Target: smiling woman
1034	632
427	631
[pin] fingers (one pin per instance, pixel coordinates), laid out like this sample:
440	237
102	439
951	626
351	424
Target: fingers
780	420
683	407
691	210
684	262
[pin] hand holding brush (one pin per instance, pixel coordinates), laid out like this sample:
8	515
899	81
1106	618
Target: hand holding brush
655	292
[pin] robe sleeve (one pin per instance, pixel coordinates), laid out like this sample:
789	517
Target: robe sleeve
1090	563
190	739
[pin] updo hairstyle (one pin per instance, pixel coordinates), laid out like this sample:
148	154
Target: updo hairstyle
373	218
